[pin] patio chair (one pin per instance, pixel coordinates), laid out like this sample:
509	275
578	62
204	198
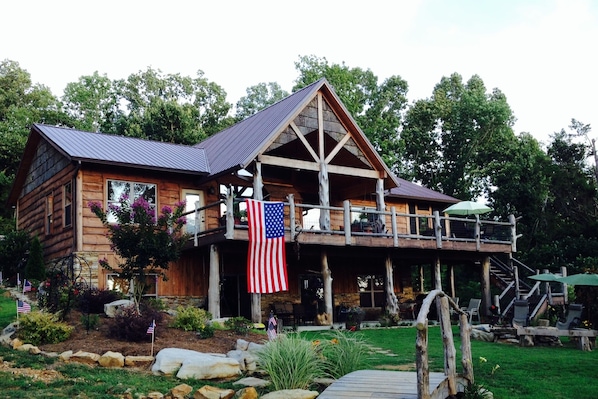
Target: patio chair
573	319
520	313
473	309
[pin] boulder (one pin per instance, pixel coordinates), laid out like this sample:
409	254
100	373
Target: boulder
112	359
192	364
85	357
112	308
180	391
246	393
247	360
34	350
208	392
138	361
291	394
252	382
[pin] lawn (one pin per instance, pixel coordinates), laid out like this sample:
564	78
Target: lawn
509	371
519	372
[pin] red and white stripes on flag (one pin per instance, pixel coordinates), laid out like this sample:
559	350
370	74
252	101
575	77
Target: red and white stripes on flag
23	307
151	329
266	259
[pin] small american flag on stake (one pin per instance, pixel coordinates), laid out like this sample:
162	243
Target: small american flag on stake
23	307
27	286
150	329
266	259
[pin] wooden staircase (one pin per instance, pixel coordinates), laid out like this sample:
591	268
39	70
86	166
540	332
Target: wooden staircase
511	276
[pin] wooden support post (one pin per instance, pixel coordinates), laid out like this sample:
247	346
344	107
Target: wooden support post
230	214
437	274
486	293
347	221
466	359
327	277
380	205
214	282
258	194
392	302
292	219
437	230
478	244
393	223
450	368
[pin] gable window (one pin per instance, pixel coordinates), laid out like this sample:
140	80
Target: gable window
132	190
67	204
371	290
49	213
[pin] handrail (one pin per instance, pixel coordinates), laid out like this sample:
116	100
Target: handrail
421	358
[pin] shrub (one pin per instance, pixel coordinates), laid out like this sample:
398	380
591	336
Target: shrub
291	362
240	325
344	352
156	304
90	321
131	325
35	267
194	319
42	328
93	300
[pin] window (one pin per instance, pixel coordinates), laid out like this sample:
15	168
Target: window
67	204
371	291
117	188
113	282
49	213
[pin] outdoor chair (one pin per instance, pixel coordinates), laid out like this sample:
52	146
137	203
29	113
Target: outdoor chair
520	313
573	319
473	309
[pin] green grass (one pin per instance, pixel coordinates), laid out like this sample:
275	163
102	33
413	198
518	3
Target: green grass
524	372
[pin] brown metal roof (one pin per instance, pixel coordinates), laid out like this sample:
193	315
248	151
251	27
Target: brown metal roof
411	190
110	149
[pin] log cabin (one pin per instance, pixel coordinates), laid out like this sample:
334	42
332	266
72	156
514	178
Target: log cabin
356	235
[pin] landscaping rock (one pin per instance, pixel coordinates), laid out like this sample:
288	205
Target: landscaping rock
208	392
34	350
112	359
138	361
112	308
247	393
85	357
291	394
192	364
252	382
179	392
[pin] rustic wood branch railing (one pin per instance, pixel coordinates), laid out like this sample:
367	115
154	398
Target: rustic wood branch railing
423	227
421	360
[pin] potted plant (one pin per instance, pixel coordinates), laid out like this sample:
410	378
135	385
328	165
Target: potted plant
354	317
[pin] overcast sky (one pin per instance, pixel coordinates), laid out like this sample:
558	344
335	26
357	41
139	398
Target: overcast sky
540	53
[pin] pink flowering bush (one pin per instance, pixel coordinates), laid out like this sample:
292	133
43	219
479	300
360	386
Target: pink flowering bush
145	242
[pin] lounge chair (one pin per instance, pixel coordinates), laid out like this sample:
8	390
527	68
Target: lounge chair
573	319
520	313
473	309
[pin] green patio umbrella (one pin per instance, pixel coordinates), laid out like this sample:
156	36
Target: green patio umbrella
580	279
546	277
467	208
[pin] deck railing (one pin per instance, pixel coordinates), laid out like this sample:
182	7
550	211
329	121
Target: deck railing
345	221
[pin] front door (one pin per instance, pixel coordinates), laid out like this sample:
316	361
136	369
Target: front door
234	298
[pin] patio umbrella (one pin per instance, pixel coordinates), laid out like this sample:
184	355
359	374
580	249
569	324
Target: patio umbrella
467	208
546	277
580	279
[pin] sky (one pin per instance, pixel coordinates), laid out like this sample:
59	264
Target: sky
540	53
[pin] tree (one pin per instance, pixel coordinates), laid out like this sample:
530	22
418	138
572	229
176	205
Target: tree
449	138
259	97
377	109
145	243
171	108
93	103
13	251
35	269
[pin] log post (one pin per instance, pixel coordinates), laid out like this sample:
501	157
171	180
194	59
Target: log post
449	345
327	277
230	214
466	360
258	194
392	303
214	282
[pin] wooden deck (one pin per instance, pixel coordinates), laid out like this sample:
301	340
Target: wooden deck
366	384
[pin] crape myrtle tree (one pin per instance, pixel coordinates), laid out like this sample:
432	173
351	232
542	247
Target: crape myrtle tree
145	242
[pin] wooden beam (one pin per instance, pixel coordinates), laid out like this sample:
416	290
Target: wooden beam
313	166
302	138
337	148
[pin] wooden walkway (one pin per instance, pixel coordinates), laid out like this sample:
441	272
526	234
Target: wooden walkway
382	384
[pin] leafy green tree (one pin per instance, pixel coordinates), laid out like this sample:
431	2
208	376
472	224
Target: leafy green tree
21	104
92	102
35	269
377	109
13	251
145	242
171	108
259	97
449	139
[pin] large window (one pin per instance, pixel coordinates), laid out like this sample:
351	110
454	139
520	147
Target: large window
133	190
371	291
113	282
67	204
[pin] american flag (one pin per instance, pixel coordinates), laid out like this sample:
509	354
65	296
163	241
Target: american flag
23	307
151	328
266	259
272	323
27	286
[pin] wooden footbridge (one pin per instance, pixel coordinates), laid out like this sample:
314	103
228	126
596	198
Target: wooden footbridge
420	384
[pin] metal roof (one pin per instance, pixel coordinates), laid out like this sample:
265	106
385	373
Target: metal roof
236	146
411	190
105	148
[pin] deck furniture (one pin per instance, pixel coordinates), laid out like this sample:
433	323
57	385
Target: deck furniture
521	313
586	338
473	309
573	318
